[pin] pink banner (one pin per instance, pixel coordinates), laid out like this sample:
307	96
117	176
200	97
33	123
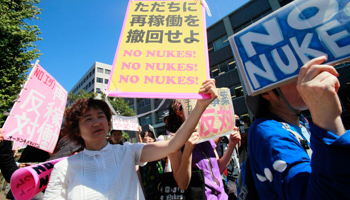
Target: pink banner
36	117
29	181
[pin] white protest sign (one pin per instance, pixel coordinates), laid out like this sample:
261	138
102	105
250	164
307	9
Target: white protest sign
125	123
218	118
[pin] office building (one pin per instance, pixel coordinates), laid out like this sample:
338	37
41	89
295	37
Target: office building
94	80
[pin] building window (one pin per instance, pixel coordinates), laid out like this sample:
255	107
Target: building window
146	120
210	48
98	90
220	43
144	103
99	80
107	71
232	91
223	67
236	91
106	81
160	116
99	70
215	71
231	63
239	91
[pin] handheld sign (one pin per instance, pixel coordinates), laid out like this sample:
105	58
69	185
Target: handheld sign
217	120
271	51
125	123
162	51
36	117
28	181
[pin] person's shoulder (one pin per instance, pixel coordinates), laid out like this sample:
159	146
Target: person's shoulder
265	125
268	130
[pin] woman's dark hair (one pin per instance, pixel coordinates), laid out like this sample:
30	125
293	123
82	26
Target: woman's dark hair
264	105
174	122
149	131
76	112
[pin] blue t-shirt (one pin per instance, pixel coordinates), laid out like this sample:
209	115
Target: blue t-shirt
283	170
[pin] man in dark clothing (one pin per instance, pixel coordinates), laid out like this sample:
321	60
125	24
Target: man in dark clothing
7	161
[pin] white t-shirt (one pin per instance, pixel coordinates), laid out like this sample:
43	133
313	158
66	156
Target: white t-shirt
105	174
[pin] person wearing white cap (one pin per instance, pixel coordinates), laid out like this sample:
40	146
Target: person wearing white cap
279	138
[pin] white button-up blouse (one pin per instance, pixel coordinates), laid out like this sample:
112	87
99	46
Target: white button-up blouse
105	174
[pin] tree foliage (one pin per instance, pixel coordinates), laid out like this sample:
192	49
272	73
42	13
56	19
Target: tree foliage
125	136
119	104
17	48
82	94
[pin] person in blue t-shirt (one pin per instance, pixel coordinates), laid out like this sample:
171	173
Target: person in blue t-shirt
282	163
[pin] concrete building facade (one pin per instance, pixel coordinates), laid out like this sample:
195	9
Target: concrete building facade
94	80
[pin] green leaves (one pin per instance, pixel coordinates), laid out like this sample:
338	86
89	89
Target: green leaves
119	104
17	48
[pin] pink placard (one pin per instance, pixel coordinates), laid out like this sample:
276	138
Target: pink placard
29	181
36	117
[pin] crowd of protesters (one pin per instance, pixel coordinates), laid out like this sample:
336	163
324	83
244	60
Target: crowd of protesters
289	157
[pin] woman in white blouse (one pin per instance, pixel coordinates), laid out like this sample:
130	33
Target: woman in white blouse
105	171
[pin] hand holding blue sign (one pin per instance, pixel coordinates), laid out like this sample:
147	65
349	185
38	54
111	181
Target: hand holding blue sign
318	86
271	51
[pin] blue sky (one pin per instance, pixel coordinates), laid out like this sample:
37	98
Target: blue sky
77	33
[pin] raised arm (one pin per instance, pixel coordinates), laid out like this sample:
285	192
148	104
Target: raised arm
158	150
138	134
181	162
318	86
235	137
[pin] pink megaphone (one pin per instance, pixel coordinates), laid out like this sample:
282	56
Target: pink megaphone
28	181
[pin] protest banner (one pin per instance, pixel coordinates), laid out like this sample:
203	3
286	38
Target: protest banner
217	120
36	117
125	123
162	51
270	52
28	181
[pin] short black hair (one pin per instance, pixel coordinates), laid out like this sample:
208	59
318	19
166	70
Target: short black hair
174	122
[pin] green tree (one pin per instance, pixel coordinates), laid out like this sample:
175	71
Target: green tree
125	136
82	94
119	104
17	48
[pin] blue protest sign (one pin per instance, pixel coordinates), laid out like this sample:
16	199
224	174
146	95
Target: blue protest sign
271	51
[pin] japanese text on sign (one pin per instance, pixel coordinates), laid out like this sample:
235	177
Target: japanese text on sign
161	45
37	115
217	120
